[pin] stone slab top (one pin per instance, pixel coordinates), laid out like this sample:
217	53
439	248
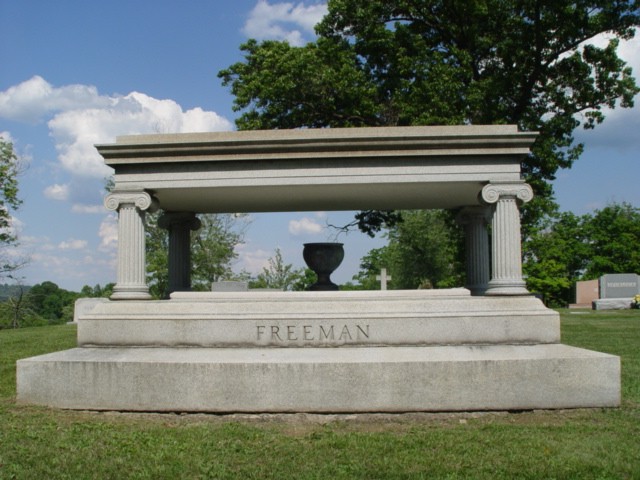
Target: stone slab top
319	296
319	169
367	355
313	143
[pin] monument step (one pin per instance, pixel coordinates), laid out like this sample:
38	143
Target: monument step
365	379
320	319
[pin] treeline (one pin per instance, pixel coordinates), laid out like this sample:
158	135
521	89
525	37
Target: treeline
569	248
42	304
425	250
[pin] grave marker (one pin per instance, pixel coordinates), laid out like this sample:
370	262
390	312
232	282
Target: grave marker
383	278
619	285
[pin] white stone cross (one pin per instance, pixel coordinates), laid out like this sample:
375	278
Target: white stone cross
383	279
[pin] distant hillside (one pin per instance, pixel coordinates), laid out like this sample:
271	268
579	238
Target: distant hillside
7	290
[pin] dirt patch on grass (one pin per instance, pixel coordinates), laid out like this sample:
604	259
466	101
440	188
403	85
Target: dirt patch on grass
304	423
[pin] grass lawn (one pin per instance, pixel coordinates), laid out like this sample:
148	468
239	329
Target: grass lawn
43	443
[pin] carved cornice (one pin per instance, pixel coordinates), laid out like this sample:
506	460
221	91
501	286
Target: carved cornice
142	200
493	192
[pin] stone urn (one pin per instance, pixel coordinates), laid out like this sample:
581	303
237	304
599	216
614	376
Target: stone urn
323	259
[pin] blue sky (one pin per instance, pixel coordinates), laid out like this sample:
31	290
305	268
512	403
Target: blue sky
75	73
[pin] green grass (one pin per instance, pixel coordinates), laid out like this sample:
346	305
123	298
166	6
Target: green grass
44	443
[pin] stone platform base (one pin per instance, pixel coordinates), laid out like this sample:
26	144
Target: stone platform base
391	351
320	319
347	379
612	304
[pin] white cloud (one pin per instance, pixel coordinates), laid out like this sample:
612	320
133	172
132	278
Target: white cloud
52	262
108	233
81	208
30	241
252	260
305	226
72	244
77	131
283	21
35	98
16	224
57	192
6	136
80	117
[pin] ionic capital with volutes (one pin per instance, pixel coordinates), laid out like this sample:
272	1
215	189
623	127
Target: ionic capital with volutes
142	200
493	192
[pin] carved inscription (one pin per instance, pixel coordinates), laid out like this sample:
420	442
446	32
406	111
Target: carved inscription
621	284
319	334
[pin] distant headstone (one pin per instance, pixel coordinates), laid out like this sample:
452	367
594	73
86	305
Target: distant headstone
586	292
229	286
619	285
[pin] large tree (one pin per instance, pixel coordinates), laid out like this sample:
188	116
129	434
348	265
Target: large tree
16	309
213	248
614	240
556	256
9	200
532	63
428	235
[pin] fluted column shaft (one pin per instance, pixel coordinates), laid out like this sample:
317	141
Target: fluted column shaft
474	221
131	206
179	225
506	253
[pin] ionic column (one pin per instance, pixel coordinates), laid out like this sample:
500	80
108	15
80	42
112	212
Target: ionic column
179	225
506	253
131	282
474	220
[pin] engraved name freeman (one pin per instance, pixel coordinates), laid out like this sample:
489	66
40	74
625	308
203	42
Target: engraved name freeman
312	333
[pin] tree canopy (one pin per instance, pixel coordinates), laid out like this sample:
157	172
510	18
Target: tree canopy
41	304
424	251
416	62
283	276
9	200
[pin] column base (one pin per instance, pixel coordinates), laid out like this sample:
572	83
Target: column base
477	290
507	287
133	292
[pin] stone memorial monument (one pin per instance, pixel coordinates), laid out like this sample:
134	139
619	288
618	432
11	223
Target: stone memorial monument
586	292
617	291
489	346
619	285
